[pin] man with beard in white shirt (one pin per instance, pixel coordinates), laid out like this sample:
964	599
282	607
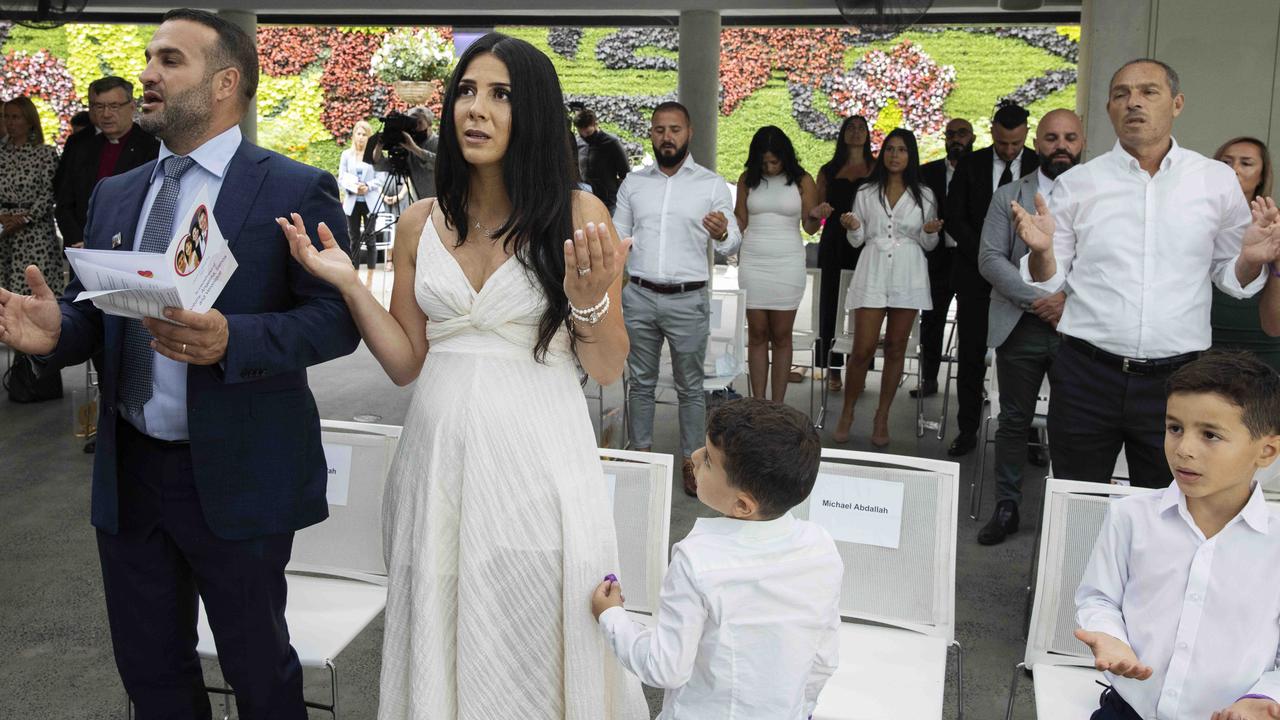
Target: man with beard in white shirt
1137	235
671	210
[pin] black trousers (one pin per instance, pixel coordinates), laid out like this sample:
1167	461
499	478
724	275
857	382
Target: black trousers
360	225
1113	707
971	330
1095	408
933	323
153	569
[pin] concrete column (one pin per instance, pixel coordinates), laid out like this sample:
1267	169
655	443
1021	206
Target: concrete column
699	85
246	20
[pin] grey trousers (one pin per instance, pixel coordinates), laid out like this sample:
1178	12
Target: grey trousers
684	321
1021	364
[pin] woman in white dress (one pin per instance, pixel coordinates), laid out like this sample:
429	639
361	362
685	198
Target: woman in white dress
774	194
496	522
896	217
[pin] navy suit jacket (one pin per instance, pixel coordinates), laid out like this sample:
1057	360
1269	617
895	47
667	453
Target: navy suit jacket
255	432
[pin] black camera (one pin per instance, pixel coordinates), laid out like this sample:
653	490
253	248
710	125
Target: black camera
394	128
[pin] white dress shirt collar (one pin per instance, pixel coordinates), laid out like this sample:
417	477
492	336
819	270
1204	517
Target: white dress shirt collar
1044	185
745	529
214	155
1127	160
1254	513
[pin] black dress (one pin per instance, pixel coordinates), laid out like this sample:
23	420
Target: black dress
834	254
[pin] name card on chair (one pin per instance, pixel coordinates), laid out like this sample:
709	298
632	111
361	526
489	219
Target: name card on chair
338	458
858	510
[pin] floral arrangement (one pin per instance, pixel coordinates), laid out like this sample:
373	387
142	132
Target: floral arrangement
905	78
421	54
40	75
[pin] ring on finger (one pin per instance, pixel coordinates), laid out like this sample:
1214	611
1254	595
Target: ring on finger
184	348
584	271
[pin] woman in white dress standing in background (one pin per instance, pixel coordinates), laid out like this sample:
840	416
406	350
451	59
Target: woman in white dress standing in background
774	195
896	216
496	519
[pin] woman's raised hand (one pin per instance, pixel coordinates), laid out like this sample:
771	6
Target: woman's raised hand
593	259
332	264
850	221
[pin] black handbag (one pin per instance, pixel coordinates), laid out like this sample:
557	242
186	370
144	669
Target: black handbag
24	385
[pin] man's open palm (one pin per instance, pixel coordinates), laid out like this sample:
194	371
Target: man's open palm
31	323
1113	655
1035	230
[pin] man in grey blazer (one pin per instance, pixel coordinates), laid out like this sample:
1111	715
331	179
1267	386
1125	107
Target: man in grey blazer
1022	321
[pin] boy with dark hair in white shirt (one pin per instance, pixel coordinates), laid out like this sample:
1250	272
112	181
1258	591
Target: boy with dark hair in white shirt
1180	603
747	625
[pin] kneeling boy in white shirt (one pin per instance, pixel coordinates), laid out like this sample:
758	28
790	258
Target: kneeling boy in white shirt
747	625
1180	603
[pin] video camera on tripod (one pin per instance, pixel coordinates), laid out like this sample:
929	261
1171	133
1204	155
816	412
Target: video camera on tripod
394	127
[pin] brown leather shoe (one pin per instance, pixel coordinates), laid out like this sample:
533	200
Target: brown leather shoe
690	483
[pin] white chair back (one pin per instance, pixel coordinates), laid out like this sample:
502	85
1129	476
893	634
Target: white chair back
1073	515
911	586
349	542
640	488
728	338
805	328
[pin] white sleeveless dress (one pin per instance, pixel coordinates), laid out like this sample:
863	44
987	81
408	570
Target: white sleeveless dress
497	525
771	261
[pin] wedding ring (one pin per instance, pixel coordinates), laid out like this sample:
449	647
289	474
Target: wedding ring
184	348
584	271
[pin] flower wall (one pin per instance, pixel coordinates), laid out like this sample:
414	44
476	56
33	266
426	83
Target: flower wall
316	80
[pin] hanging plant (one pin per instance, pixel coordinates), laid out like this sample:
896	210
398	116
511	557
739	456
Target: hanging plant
419	55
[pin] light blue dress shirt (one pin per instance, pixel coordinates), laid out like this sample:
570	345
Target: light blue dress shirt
165	414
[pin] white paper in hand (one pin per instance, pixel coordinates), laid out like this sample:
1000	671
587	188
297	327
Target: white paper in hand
189	274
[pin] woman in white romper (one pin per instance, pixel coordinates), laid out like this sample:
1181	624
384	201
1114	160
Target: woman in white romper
774	195
896	217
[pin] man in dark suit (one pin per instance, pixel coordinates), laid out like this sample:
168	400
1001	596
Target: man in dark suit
209	454
937	175
976	179
118	146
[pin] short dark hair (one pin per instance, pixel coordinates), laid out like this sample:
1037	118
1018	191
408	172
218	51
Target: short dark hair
109	83
234	47
81	120
771	451
1010	116
1170	75
1239	378
672	105
584	119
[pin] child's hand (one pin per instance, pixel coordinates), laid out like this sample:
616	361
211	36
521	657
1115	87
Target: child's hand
1113	655
608	594
1250	709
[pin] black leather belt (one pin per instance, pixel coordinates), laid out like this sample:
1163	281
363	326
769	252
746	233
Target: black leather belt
669	289
1131	366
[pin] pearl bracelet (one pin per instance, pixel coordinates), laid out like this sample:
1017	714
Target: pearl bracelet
592	315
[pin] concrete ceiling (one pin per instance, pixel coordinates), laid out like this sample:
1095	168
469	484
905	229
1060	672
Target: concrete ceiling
582	12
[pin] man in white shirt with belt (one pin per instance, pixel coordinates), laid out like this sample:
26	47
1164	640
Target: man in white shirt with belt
1138	235
671	210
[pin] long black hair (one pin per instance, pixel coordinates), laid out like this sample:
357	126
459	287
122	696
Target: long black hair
539	181
841	155
879	176
771	139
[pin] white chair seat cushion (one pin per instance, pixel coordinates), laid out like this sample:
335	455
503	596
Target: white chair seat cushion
1064	692
323	614
885	674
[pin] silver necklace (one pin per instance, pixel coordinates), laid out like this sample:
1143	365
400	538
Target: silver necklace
487	232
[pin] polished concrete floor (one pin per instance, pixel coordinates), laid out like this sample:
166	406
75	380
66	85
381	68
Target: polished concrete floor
55	652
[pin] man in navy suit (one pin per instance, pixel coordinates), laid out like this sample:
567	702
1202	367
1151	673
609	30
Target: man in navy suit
209	454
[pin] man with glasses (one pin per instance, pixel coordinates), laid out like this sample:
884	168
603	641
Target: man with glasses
118	146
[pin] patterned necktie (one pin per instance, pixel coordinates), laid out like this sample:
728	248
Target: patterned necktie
1006	177
136	372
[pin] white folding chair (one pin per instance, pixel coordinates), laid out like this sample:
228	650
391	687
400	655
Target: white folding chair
1062	666
804	334
895	668
1039	423
337	575
640	489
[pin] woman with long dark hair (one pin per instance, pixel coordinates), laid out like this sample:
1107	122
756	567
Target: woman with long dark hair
774	193
837	182
896	217
497	522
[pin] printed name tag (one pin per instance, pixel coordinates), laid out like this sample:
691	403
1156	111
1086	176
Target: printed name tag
858	510
338	458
